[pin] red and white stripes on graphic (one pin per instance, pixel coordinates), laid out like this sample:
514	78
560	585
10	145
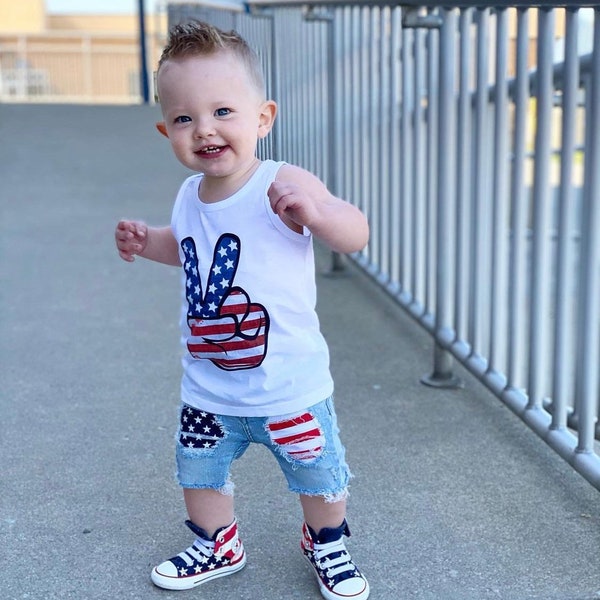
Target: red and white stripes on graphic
235	339
299	436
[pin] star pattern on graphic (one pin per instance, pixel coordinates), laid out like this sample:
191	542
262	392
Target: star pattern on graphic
225	261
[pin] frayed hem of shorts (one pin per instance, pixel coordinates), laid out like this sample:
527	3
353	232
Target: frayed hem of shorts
225	490
328	497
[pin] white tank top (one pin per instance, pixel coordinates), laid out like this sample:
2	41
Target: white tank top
251	337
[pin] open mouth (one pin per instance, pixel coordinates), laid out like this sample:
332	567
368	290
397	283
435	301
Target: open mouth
208	150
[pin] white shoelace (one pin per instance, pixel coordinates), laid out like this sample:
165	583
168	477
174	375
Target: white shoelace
333	566
198	550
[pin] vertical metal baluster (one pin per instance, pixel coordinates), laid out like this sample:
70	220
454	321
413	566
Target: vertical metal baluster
539	301
480	229
442	375
343	114
355	118
500	218
373	141
589	277
394	162
418	197
275	88
463	184
564	290
431	168
407	165
517	341
365	138
385	133
335	154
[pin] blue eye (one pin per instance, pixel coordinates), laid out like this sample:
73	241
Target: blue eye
222	112
182	119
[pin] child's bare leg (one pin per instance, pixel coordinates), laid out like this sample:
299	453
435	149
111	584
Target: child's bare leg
318	513
209	509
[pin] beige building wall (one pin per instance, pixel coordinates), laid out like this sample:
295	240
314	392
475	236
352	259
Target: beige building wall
22	16
96	23
30	16
73	58
122	24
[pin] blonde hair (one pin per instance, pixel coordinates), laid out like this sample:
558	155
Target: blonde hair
198	38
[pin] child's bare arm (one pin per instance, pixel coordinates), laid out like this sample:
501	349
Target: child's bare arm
135	238
302	200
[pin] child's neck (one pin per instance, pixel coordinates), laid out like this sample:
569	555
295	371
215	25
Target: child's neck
215	189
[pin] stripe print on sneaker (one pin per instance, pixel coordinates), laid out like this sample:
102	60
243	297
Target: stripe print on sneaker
299	436
204	560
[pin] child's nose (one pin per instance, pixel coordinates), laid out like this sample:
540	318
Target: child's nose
204	128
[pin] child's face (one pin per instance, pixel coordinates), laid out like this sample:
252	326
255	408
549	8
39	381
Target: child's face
213	113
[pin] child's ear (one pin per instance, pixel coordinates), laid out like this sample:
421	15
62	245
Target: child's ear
162	128
268	112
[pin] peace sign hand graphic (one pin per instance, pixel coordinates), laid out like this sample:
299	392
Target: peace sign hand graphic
226	327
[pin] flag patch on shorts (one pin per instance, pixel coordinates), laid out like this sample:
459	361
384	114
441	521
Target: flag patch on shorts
299	436
199	429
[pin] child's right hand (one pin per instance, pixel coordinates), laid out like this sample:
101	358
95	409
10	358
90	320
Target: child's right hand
131	238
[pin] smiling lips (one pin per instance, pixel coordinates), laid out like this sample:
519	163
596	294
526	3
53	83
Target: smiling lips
210	150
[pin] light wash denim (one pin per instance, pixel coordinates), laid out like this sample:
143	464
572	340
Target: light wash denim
306	445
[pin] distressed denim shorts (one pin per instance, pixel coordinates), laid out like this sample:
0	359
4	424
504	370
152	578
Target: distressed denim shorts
306	444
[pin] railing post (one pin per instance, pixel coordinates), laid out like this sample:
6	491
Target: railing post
443	375
87	61
276	86
563	329
274	82
21	71
586	400
539	305
338	263
144	81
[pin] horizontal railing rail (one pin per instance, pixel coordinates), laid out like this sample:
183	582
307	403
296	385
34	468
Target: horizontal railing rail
245	5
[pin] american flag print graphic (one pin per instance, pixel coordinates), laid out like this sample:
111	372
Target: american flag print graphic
199	429
226	327
299	436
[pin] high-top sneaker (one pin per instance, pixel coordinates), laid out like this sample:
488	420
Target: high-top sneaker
338	577
207	558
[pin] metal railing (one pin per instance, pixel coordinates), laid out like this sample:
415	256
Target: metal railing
469	136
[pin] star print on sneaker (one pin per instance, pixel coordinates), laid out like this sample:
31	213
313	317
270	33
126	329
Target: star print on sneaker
338	577
204	560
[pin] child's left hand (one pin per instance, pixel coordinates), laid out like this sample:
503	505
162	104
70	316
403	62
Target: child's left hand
291	202
302	200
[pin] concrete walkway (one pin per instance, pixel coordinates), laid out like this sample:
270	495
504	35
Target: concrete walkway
453	498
